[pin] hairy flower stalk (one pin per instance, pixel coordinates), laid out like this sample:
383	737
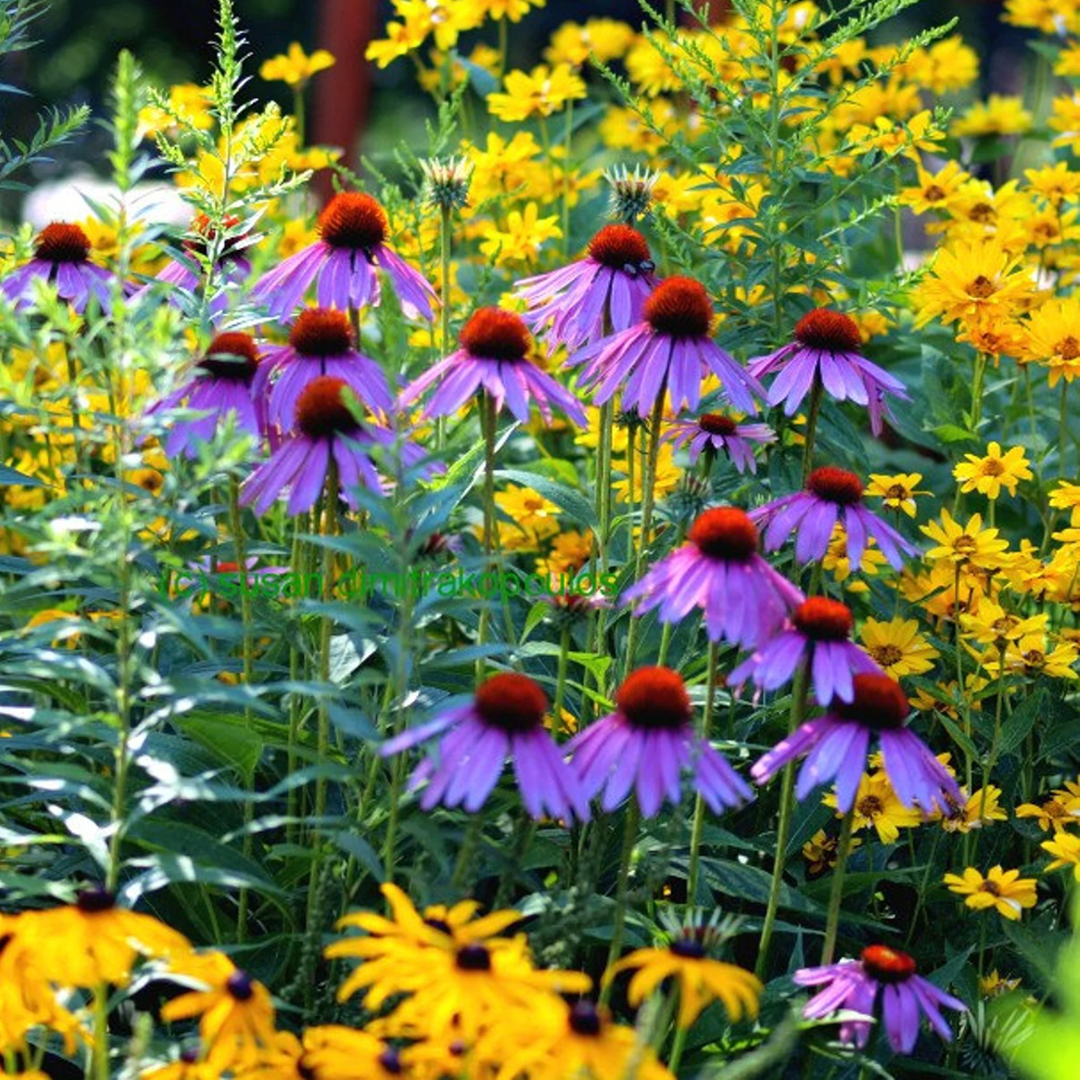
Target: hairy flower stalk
836	894
698	827
488	426
783	827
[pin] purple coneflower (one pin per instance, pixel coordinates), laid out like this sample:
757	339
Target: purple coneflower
325	427
853	985
320	343
818	635
830	495
719	570
62	258
186	272
343	264
836	744
714	432
827	347
494	355
671	348
647	743
614	279
220	384
505	718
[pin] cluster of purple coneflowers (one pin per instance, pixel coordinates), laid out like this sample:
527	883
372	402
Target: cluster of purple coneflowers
322	405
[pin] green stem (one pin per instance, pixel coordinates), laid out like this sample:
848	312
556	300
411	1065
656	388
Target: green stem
836	896
487	423
811	427
566	180
633	815
560	677
444	305
783	829
298	112
1063	427
977	390
694	863
296	703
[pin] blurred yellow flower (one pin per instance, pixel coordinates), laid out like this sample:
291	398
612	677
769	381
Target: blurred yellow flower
520	241
540	93
896	492
1004	890
295	67
998	115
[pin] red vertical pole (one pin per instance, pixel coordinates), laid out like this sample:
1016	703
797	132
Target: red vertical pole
342	94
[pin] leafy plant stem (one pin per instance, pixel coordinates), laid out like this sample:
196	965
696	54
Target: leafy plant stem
836	895
694	863
783	828
630	826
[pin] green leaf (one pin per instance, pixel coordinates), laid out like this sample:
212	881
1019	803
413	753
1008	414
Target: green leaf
566	498
227	738
9	476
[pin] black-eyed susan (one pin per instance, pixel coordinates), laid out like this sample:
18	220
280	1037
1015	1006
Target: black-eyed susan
820	851
1004	890
978	809
877	806
1065	847
1061	811
579	1040
335	1052
993	471
968	545
991	624
701	979
897	646
897	492
93	941
236	1015
188	1065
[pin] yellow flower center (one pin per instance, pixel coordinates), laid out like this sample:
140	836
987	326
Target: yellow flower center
886	656
981	287
1068	348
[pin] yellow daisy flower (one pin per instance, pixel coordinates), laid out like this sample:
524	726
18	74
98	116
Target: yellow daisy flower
969	545
1057	813
994	471
1065	847
1000	114
1004	890
295	68
877	806
897	646
542	92
897	492
1052	338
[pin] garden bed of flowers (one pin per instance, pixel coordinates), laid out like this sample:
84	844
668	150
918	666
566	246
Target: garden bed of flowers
595	597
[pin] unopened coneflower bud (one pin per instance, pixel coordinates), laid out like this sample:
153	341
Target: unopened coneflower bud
446	182
688	500
631	192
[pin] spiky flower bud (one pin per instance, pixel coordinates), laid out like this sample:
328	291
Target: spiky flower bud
631	192
446	182
688	500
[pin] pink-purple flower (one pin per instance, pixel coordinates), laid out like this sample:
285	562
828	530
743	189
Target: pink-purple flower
827	348
221	384
343	264
855	986
836	746
602	294
504	719
62	258
818	635
325	430
670	349
647	744
830	495
719	570
494	356
716	433
320	343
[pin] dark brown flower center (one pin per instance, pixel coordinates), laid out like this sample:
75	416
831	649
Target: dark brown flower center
981	287
868	806
473	958
717	424
654	697
231	356
62	242
725	533
585	1018
830	330
822	619
934	193
835	485
1068	348
878	703
390	1060
321	332
511	702
353	220
494	334
621	248
688	949
240	986
321	410
887	965
679	307
94	900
